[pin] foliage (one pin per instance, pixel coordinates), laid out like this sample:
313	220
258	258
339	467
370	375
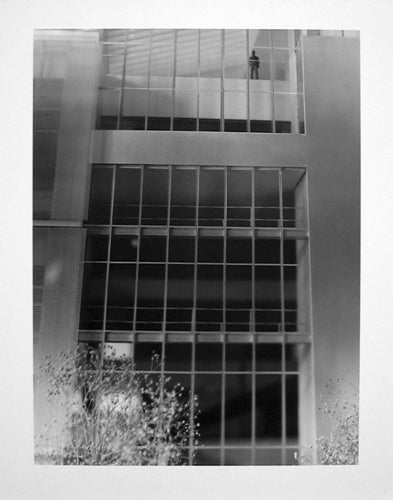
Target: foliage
341	447
114	415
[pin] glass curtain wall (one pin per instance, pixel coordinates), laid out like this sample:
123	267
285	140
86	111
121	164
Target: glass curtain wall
201	266
201	80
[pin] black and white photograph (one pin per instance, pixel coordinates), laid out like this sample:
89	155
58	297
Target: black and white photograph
196	282
197	253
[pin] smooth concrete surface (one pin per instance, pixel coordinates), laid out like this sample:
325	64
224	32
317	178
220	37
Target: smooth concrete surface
202	148
60	251
77	121
332	91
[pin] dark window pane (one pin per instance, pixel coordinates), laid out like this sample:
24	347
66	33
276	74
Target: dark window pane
210	249
238	409
96	247
266	198
290	252
183	197
181	249
127	196
290	284
209	319
155	196
178	356
267	251
153	249
147	354
238	357
208	357
267	287
100	196
268	407
121	287
211	197
239	250
268	357
150	297
239	287
292	406
209	289
121	295
93	293
239	197
238	320
124	248
180	298
208	389
268	320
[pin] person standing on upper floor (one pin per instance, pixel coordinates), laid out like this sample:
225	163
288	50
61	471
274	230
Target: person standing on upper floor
254	66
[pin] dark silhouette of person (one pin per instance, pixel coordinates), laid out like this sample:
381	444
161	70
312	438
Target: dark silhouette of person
254	66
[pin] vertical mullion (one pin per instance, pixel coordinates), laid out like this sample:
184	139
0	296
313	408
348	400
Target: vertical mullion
248	81
293	81
174	78
224	280
282	300
138	247
164	335
193	324
222	80
148	80
198	78
123	76
272	83
252	319
114	167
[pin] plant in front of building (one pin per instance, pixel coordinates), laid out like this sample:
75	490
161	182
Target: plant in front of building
112	415
341	446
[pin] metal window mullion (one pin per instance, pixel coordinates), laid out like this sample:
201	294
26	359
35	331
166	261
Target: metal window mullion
248	81
272	83
148	80
293	80
174	79
253	367
193	329
282	300
198	77
114	167
224	282
164	335
222	128
138	247
123	76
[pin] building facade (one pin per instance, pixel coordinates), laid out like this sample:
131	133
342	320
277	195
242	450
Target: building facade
196	196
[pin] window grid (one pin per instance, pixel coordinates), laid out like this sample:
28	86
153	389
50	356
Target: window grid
136	337
243	122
